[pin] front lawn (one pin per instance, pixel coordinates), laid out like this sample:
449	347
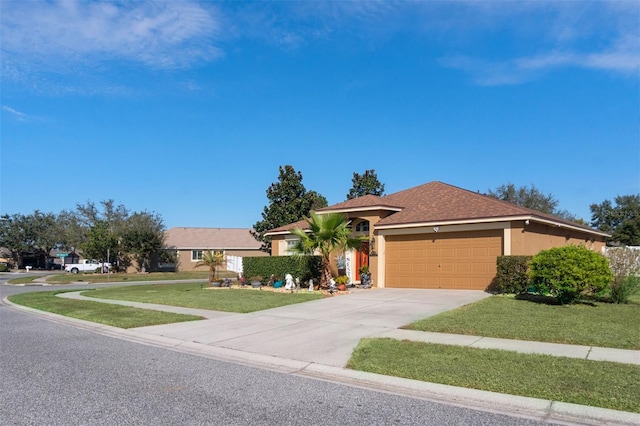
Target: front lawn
194	295
103	313
601	384
68	278
591	324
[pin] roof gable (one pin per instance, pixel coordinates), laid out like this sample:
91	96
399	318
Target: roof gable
366	202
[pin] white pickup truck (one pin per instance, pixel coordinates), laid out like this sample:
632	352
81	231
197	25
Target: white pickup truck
86	266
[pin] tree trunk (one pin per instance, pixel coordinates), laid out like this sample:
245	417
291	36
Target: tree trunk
212	275
325	279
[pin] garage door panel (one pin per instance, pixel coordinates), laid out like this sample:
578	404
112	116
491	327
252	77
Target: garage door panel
463	252
448	252
448	267
463	267
457	260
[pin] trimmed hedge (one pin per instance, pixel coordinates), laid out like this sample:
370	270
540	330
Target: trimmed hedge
567	272
512	276
304	267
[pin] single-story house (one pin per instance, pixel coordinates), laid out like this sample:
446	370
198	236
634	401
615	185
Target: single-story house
190	243
440	236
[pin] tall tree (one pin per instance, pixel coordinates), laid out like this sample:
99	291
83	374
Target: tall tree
530	197
142	236
328	233
35	234
621	220
72	231
47	229
289	201
102	242
365	184
115	215
17	235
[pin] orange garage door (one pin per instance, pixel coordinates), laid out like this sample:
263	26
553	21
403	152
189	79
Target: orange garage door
454	261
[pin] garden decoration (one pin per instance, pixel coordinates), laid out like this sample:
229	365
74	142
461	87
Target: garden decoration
289	282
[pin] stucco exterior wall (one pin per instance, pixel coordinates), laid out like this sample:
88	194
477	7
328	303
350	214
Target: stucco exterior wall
531	239
279	246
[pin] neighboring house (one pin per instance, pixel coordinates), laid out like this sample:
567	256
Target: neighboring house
190	243
5	257
440	236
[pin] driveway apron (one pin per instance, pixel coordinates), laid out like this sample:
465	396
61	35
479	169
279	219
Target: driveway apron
323	331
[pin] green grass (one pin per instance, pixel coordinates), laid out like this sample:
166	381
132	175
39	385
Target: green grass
57	277
67	278
593	324
103	313
191	295
27	279
601	384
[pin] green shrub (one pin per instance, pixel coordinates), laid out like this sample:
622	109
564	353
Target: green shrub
567	272
512	276
620	289
4	267
304	267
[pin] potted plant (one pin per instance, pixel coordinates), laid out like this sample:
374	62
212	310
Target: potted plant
278	282
341	282
256	281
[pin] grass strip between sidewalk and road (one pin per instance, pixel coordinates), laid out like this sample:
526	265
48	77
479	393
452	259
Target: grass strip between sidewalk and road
194	295
595	383
103	313
590	324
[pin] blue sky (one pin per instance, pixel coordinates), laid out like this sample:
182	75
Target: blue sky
188	108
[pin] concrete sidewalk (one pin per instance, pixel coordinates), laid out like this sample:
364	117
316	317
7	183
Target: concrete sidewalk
207	333
316	339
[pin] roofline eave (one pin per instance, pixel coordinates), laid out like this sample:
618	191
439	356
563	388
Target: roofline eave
360	209
491	220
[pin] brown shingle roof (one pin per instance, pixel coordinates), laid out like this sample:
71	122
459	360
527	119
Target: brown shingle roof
441	202
211	238
437	202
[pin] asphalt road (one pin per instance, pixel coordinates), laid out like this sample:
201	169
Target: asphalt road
55	374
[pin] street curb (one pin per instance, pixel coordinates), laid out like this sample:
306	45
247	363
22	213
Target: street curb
534	408
513	405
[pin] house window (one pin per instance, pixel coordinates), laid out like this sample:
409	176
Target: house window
291	243
362	226
196	255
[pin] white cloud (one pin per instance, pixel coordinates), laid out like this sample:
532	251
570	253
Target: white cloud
66	37
495	42
590	35
20	116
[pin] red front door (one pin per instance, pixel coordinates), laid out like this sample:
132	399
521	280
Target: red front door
362	259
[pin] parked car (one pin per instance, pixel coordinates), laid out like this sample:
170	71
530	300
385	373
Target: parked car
87	265
53	266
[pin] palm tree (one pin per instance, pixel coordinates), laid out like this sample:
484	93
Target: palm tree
212	260
327	233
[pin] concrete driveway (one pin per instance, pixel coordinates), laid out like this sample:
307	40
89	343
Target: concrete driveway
324	331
